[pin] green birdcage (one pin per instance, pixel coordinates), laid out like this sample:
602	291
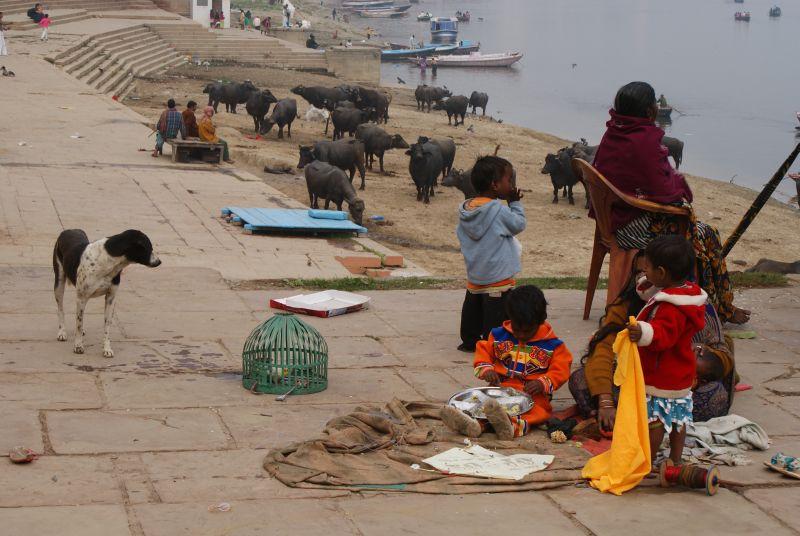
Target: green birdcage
284	354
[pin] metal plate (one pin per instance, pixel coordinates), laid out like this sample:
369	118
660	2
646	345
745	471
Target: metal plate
471	401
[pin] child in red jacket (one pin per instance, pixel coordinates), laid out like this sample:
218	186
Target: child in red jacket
524	354
663	332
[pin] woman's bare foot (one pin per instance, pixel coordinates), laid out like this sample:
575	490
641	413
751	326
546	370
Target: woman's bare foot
460	422
499	419
740	316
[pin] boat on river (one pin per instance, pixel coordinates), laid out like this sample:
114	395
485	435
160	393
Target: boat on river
476	59
367	4
382	13
414	54
664	113
742	16
466	47
444	29
425	16
775	12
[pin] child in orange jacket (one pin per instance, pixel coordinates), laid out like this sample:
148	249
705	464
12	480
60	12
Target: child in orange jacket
525	354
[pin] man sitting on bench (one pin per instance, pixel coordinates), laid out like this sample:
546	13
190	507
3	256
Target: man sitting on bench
169	125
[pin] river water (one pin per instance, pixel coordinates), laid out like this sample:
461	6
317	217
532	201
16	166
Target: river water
736	83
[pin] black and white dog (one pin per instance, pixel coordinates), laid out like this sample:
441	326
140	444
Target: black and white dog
95	268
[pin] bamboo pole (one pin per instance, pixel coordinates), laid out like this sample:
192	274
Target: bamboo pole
759	202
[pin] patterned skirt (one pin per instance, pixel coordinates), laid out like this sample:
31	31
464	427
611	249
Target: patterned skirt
671	412
712	272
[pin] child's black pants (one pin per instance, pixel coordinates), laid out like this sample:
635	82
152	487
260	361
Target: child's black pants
479	315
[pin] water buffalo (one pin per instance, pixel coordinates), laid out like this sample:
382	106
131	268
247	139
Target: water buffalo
323	97
461	180
424	166
283	114
366	98
347	155
559	167
377	142
257	106
455	107
478	100
214	91
347	119
448	148
675	148
231	94
775	267
330	183
430	94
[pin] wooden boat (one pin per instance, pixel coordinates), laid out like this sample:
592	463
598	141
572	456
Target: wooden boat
367	4
444	29
425	16
466	47
403	54
742	16
775	11
739	1
664	113
381	13
476	59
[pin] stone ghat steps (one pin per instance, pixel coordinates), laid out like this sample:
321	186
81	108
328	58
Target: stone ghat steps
203	45
56	18
111	62
18	6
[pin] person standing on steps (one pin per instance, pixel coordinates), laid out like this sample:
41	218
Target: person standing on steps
44	24
3	49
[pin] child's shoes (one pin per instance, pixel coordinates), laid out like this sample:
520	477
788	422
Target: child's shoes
460	422
499	419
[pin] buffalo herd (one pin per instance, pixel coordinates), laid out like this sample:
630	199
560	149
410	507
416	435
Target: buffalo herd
359	112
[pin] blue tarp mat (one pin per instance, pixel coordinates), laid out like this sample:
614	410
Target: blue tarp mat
286	219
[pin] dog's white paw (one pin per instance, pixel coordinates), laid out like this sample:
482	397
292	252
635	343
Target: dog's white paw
62	335
78	349
108	352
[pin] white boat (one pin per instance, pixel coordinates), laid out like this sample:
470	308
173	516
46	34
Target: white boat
424	16
444	29
477	59
367	4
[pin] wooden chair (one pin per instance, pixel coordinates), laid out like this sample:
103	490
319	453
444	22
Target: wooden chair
604	196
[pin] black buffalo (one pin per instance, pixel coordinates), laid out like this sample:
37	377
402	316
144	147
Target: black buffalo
478	100
366	99
231	94
559	167
347	118
427	95
675	148
347	155
377	142
257	106
283	114
448	149
324	97
330	183
461	180
455	107
424	165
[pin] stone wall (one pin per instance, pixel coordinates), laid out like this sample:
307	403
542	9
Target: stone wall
356	64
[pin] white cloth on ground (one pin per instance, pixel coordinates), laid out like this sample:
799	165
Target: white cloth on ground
722	440
3	49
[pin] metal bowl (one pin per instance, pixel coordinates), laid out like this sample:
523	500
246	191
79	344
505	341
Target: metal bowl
471	400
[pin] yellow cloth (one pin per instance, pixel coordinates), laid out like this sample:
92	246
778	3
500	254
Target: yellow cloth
627	462
207	130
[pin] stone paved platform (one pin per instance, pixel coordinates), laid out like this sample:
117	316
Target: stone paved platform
142	444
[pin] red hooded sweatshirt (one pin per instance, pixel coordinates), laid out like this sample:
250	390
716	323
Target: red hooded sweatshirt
633	159
669	320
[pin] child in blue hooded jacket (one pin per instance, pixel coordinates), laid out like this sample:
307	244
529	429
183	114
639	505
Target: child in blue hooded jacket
486	231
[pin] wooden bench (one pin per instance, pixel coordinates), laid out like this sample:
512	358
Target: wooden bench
194	149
